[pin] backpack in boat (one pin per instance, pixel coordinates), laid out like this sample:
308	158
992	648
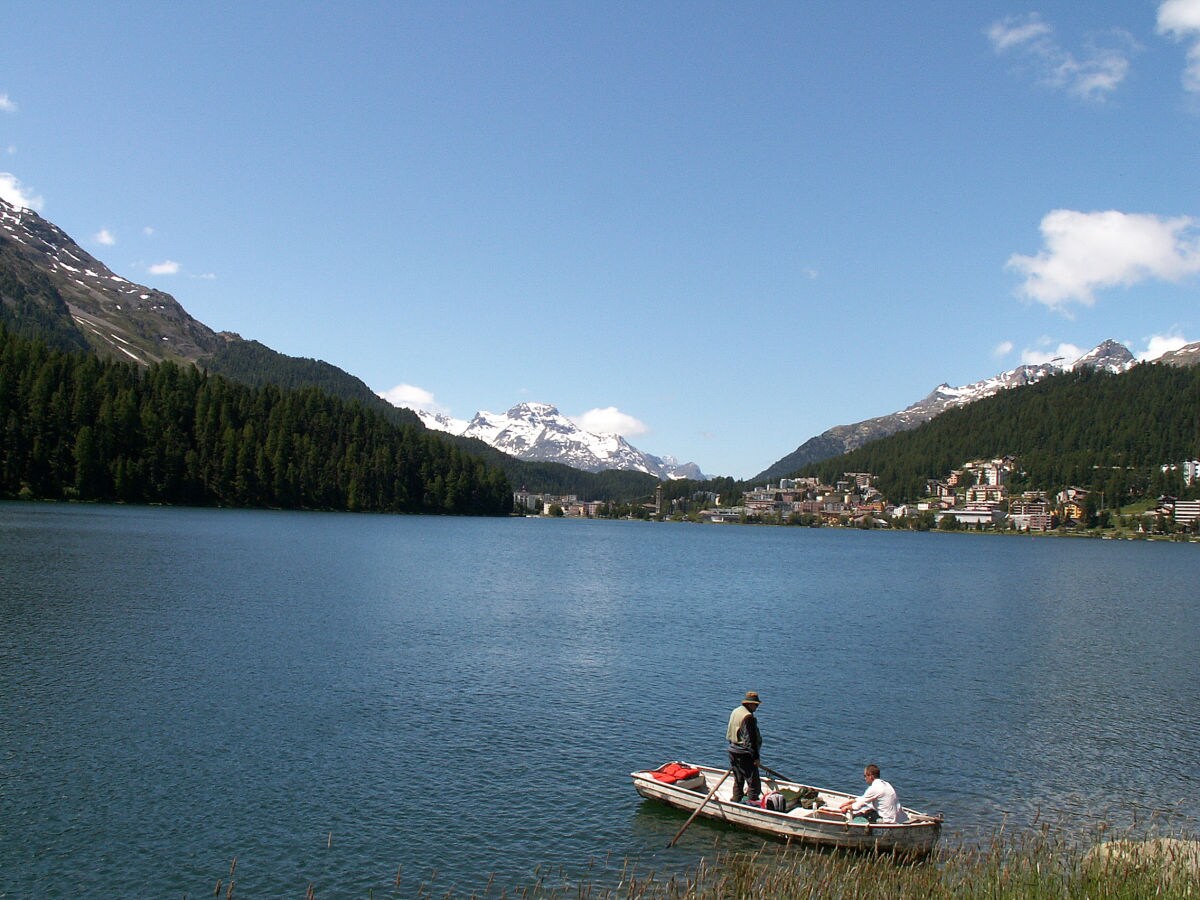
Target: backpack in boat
774	801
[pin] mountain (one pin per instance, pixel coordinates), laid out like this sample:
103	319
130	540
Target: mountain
53	288
1109	356
1187	355
538	432
78	299
1115	434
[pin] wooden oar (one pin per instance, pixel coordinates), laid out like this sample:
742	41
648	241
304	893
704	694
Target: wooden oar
771	782
771	771
696	811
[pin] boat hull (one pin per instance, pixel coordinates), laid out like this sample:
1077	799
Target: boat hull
915	838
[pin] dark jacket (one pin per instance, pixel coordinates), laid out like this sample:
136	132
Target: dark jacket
743	734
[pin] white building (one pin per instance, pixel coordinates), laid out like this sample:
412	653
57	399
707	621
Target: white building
1186	511
1190	469
976	514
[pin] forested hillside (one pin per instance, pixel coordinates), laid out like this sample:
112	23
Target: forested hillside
255	364
73	426
32	306
1091	429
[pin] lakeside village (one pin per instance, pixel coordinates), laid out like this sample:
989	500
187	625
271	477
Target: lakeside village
975	497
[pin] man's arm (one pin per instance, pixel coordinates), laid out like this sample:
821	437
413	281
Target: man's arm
857	804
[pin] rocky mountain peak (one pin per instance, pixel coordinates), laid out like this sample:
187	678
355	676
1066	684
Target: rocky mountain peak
117	317
1111	356
533	410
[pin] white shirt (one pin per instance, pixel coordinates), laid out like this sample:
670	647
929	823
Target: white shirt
881	797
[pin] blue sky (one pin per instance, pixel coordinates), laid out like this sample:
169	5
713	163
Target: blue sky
718	228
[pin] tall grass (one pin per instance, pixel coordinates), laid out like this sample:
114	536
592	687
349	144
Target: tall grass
1043	863
1039	864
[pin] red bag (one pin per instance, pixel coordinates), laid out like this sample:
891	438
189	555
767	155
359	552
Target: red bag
673	772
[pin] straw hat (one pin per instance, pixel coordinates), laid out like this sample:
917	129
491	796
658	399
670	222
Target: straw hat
751	697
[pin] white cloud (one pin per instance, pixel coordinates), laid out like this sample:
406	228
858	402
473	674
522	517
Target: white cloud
1158	344
1181	20
166	267
1087	251
148	231
6	104
610	420
105	237
17	194
206	276
1063	353
1003	349
1091	77
1016	30
412	397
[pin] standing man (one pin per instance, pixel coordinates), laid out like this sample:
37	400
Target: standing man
879	802
744	743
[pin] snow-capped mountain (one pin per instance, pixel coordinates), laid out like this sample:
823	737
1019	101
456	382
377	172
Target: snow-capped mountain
538	432
1109	356
1187	355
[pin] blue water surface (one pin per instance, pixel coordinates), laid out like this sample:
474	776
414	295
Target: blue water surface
334	699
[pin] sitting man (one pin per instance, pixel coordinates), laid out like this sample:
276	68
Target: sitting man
878	803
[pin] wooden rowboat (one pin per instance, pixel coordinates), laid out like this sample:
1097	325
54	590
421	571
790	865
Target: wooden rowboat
820	826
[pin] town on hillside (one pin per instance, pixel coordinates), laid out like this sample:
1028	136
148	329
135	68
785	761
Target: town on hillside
974	497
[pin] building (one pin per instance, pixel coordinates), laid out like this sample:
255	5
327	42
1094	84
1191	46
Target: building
1186	512
976	514
723	514
1031	515
1190	469
992	472
1072	504
799	484
936	487
986	493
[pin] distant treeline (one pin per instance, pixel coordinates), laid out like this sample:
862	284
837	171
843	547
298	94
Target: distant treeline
1090	429
73	426
557	478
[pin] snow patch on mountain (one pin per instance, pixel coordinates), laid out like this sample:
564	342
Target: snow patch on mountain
440	422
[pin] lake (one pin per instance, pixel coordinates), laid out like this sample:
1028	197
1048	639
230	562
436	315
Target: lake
332	698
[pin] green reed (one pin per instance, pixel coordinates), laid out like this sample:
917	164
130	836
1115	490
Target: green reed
1042	863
